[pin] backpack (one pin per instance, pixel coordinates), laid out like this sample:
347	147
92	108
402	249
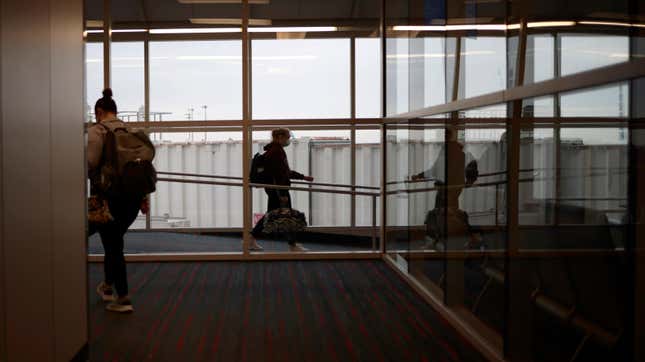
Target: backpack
259	174
127	162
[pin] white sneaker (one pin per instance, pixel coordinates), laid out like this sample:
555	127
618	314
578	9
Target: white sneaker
121	305
106	292
255	246
297	247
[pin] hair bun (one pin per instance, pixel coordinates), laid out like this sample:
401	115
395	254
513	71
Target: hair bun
107	93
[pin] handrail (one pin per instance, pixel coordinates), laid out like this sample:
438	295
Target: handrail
240	178
311	189
201	182
480	175
463	186
198	175
275	187
497	173
336	185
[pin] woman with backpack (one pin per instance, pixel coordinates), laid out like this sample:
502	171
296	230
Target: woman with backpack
278	173
122	203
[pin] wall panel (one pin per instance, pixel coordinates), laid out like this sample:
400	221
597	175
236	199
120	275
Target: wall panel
42	206
68	179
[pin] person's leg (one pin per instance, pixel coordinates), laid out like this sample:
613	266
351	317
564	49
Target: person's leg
108	260
259	226
106	288
274	200
257	229
124	213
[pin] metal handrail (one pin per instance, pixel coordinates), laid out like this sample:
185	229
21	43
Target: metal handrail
463	186
240	178
198	175
201	182
311	189
497	173
269	186
479	176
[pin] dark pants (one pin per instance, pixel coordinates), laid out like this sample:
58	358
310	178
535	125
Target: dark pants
124	212
274	203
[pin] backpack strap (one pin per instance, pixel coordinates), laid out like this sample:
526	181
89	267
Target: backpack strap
108	129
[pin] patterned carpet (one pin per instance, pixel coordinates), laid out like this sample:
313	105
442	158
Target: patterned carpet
168	242
271	311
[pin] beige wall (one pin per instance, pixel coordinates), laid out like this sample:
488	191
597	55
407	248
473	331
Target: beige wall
43	203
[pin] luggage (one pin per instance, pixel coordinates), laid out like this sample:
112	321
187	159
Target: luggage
284	221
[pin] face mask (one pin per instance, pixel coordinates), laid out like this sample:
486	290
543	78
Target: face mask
286	144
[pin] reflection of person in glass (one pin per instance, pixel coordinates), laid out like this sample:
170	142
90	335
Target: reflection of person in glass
277	166
447	219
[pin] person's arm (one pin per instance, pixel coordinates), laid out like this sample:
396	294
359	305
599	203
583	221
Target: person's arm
296	175
427	174
94	148
145	205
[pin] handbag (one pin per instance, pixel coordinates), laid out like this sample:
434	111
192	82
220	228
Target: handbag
98	210
284	220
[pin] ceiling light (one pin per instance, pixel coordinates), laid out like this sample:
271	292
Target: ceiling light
263	2
195	30
293	29
419	28
476	27
611	23
449	27
608	23
550	24
129	30
229	21
98	31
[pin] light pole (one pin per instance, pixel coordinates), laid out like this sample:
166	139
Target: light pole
204	107
190	115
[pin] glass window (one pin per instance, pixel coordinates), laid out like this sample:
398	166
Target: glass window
540	58
368	78
434	61
93	77
301	78
325	155
196	80
368	174
483	60
605	101
538	107
398	75
127	80
193	205
581	52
